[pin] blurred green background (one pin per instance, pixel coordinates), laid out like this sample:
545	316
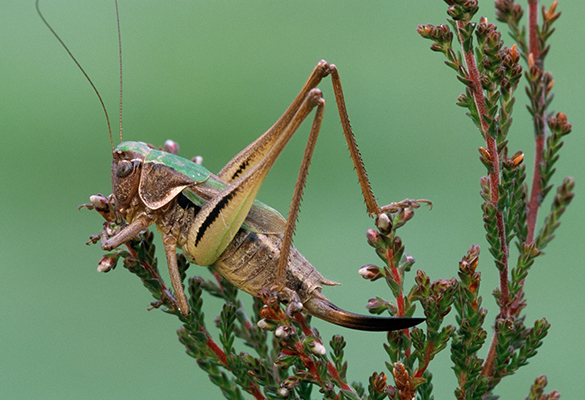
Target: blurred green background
213	76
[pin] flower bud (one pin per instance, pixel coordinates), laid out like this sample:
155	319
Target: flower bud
106	264
517	158
99	201
407	262
284	361
370	272
317	348
378	381
283	331
383	222
372	236
171	147
378	305
265	325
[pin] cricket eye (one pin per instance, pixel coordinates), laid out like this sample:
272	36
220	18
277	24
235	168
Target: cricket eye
124	169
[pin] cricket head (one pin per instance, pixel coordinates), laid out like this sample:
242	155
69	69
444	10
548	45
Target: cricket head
127	161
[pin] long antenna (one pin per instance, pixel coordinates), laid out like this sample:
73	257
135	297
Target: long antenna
120	54
81	68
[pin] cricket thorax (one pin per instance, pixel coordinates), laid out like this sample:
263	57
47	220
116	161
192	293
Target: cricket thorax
177	217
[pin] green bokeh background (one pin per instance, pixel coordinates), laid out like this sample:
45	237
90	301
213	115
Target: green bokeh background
213	76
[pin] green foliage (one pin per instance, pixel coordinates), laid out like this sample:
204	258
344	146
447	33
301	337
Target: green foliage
287	357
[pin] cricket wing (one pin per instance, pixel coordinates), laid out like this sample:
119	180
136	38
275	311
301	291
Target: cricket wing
264	219
223	215
260	219
327	311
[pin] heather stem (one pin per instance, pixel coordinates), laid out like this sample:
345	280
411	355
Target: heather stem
335	375
533	203
474	77
532	29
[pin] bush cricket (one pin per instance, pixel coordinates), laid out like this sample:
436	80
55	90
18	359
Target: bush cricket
217	221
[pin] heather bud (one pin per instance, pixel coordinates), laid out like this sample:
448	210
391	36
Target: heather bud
106	264
283	331
171	147
372	236
378	305
407	262
317	348
383	222
99	201
370	272
265	325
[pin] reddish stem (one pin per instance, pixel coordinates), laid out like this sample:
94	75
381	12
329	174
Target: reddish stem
215	349
533	203
533	46
332	371
220	354
255	391
539	132
420	372
307	330
492	148
396	277
307	361
494	175
400	298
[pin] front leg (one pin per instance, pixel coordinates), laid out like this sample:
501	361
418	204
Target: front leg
170	245
142	222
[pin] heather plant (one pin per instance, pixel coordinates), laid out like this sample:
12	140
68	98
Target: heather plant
287	357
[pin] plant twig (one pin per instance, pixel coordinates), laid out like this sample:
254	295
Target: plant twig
539	118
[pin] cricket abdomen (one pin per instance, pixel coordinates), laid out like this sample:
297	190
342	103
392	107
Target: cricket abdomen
250	263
